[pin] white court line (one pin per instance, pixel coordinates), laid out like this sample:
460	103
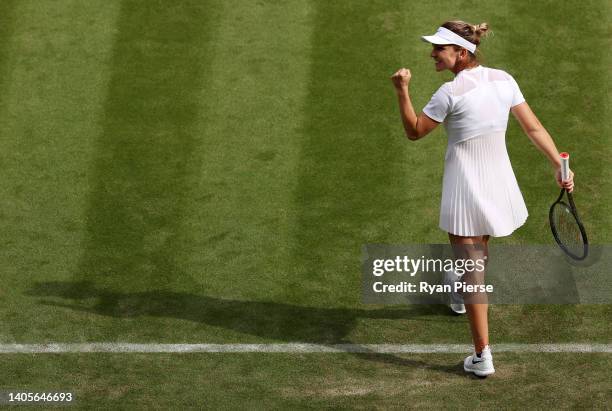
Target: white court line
294	348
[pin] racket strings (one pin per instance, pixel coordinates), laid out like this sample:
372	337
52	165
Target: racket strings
568	230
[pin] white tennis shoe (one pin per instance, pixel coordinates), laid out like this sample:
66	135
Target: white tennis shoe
480	365
456	300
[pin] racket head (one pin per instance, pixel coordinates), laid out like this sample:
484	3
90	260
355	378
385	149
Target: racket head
567	229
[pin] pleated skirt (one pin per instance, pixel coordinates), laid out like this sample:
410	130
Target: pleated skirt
480	194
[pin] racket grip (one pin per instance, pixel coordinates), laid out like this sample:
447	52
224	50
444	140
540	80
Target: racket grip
564	166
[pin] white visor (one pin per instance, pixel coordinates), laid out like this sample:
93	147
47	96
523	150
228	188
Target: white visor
445	36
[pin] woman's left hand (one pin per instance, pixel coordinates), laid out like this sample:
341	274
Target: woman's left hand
567	184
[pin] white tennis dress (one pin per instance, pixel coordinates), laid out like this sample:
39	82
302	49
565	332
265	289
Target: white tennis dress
480	194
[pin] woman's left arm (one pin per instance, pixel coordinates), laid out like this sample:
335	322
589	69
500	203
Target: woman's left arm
542	140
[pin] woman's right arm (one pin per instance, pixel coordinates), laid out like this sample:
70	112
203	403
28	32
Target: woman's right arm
542	140
415	126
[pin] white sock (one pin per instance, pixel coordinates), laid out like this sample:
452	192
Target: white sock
456	277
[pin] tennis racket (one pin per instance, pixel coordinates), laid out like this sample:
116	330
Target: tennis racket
567	229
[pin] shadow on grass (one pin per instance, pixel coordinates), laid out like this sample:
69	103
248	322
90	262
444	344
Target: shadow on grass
270	320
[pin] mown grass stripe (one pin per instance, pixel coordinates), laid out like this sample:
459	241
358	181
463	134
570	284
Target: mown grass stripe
54	76
253	111
146	151
351	171
296	348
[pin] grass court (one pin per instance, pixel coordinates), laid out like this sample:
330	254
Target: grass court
207	172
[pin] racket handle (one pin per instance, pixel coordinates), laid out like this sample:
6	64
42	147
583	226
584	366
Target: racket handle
564	166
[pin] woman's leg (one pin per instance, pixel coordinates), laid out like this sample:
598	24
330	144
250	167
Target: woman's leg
477	314
474	248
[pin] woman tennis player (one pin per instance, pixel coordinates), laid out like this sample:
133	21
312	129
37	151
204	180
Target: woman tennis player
480	194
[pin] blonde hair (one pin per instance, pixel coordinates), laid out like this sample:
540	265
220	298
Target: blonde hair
471	32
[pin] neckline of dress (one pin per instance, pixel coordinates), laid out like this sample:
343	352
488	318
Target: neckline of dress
471	70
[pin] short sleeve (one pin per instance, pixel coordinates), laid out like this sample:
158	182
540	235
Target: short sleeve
440	104
517	96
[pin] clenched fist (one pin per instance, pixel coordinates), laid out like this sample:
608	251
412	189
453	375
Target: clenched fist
401	78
